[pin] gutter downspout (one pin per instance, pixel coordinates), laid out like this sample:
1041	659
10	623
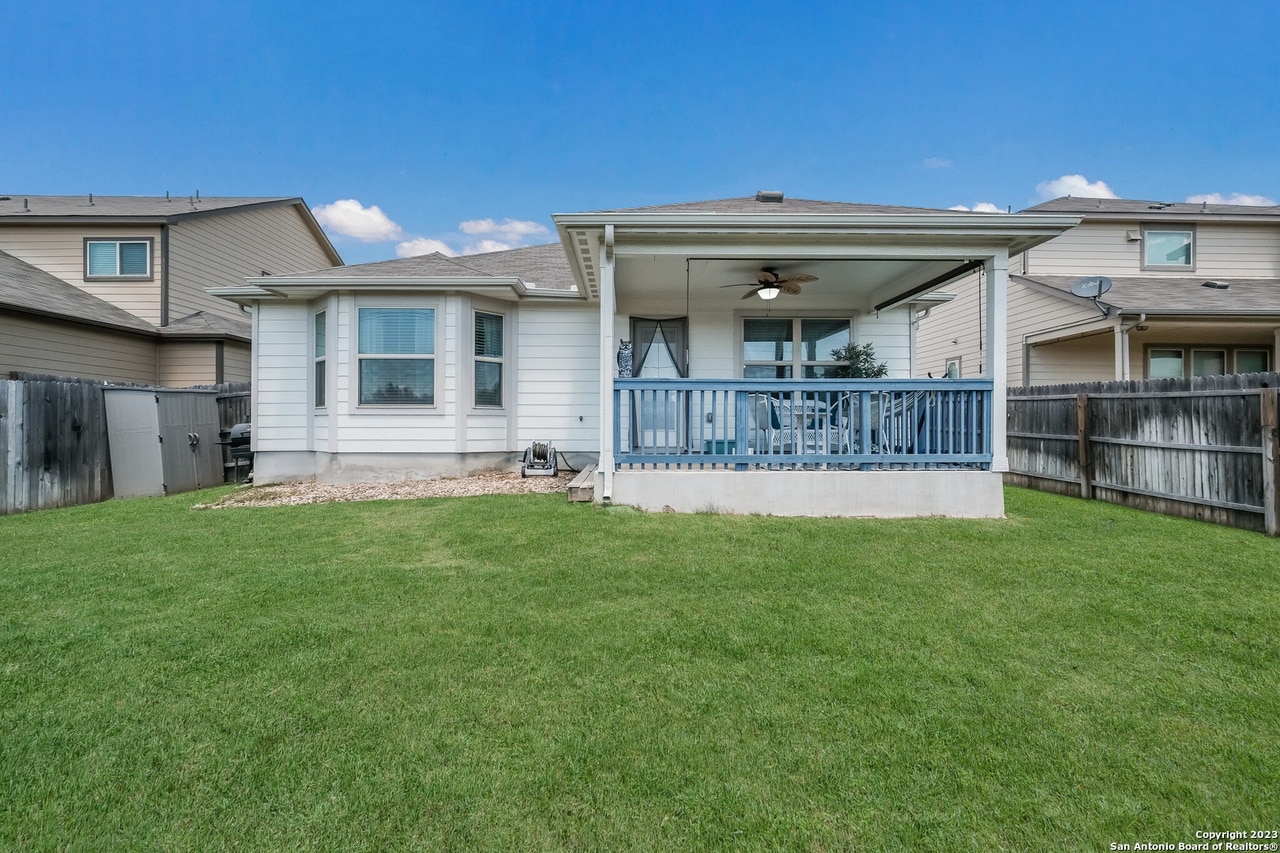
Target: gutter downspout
164	275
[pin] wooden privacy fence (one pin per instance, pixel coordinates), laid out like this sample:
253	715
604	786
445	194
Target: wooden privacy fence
53	444
53	440
1203	448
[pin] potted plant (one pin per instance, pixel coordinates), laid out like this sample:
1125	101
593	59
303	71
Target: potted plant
857	361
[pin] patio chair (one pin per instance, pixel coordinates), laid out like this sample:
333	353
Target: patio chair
902	419
772	431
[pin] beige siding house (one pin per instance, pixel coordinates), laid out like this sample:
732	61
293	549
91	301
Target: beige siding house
1193	289
115	287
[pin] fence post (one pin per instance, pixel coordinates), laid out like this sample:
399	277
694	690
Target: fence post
1267	400
1084	455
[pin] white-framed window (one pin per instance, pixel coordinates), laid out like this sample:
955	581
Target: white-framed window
792	348
320	359
489	363
1166	247
117	259
1177	362
395	354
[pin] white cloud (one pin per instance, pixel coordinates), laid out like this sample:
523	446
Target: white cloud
350	218
936	163
423	246
1074	185
1234	198
488	236
487	246
507	231
980	207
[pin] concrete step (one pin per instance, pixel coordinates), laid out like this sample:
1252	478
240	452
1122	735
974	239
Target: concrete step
583	486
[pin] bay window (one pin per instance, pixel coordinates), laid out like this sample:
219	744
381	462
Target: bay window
488	360
396	355
320	373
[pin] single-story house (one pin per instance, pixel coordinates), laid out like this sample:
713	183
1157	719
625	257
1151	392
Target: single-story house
686	351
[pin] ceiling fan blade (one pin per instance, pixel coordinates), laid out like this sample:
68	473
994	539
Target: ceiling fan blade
797	278
789	287
767	277
743	284
751	293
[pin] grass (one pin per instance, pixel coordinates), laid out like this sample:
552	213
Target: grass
521	673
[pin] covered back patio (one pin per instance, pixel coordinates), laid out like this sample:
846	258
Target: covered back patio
736	315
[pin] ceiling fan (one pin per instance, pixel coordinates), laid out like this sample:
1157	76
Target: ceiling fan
769	283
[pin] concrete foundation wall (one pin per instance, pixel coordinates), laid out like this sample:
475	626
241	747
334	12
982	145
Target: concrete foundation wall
283	466
881	494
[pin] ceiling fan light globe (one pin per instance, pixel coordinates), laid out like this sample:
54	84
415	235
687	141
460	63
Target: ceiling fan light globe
768	293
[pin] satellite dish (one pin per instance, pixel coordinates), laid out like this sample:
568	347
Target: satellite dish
1092	287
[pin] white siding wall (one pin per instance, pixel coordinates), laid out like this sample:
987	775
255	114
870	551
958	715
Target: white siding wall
889	333
34	345
222	250
558	375
283	356
392	429
59	250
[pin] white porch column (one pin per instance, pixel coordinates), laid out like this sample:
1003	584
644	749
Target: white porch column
997	269
1120	335
608	302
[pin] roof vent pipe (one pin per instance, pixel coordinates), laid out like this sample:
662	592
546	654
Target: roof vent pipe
769	196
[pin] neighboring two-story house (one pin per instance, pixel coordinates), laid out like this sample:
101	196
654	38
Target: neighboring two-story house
114	287
1192	290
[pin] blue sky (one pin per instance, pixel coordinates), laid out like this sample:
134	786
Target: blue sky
468	124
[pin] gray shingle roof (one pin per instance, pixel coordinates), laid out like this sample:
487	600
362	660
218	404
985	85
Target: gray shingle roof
544	265
24	287
204	325
787	205
1178	295
20	206
1086	206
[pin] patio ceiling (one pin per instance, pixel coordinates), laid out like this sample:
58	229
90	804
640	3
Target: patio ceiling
661	279
867	260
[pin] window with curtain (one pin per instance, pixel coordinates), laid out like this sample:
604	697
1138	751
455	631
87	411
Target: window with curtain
117	258
769	348
660	348
488	360
395	351
318	355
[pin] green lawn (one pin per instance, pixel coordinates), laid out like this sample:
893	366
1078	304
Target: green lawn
516	673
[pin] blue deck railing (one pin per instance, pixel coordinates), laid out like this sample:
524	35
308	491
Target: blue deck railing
851	424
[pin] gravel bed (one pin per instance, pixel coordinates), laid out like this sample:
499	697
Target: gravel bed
294	494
